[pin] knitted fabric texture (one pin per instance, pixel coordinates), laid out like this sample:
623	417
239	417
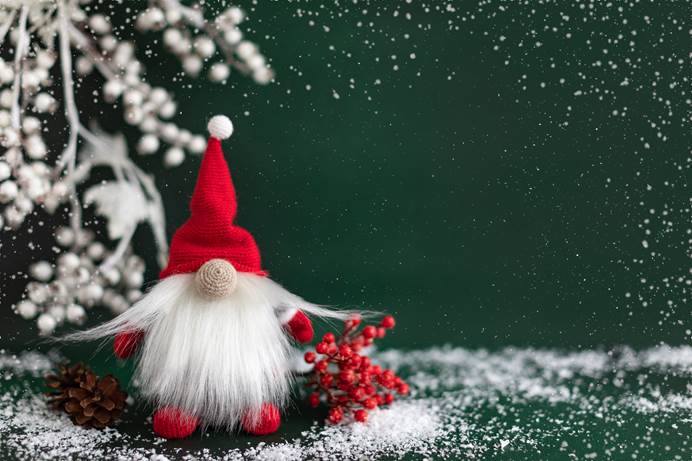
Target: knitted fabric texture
270	420
216	279
210	231
171	423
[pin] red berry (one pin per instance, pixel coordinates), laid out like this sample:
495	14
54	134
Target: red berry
321	366
328	338
403	389
360	415
314	399
321	348
357	394
310	357
346	376
326	379
354	361
388	398
381	332
375	369
345	350
370	389
388	322
364	363
370	403
335	415
332	349
369	332
355	320
380	399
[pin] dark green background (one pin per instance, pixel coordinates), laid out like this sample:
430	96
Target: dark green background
452	194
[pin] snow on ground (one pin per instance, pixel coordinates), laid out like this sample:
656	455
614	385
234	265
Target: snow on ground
470	404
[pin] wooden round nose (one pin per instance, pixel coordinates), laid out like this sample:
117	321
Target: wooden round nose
216	278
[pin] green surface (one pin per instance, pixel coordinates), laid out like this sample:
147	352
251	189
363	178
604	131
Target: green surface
512	404
471	192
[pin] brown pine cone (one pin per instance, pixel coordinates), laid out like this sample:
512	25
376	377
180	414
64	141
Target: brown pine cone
89	400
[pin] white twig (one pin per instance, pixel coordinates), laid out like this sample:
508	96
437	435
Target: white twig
6	26
69	155
20	50
123	245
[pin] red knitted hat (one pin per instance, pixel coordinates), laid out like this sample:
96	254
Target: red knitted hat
209	232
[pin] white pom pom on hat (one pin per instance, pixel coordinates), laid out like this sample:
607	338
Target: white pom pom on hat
220	127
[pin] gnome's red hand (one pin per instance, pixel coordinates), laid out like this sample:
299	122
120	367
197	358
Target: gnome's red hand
127	342
300	327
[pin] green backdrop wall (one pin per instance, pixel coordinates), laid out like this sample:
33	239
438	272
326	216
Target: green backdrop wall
475	172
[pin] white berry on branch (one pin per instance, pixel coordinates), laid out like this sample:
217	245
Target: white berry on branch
49	50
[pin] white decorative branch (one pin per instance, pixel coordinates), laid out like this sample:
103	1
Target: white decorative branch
38	178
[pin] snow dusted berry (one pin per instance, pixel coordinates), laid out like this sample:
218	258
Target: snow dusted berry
197	144
35	147
148	144
246	49
68	262
64	236
75	314
41	271
99	24
158	96
235	15
168	109
43	102
84	66
134	279
134	115
263	75
133	97
5	171
90	294
219	72
113	89
31	125
8	191
192	65
233	36
46	324
204	46
57	312
256	62
27	309
174	157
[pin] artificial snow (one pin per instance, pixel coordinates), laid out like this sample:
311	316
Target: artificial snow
463	404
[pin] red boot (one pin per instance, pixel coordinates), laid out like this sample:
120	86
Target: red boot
172	423
269	422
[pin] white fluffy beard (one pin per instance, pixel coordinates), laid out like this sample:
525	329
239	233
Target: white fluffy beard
219	360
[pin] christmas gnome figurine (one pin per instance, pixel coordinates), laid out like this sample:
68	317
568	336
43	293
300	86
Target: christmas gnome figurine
212	337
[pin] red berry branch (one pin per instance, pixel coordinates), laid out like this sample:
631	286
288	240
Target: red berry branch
347	381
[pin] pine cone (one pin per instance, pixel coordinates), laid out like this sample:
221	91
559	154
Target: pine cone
89	400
